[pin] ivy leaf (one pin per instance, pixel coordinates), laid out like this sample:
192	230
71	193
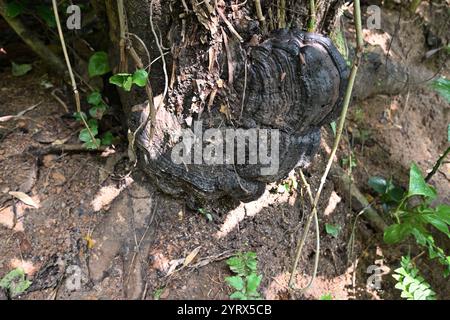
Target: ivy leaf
128	83
20	69
91	145
93	124
140	77
417	184
97	112
122	80
436	222
332	230
443	212
95	98
85	136
119	79
14	9
236	282
395	194
396	233
107	138
79	116
98	64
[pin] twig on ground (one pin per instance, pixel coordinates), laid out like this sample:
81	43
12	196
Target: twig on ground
20	114
59	100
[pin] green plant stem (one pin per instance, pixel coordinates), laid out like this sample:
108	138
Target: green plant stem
316	225
260	14
340	128
71	74
282	14
312	16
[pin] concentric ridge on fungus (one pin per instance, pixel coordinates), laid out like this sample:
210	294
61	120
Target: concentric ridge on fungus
295	83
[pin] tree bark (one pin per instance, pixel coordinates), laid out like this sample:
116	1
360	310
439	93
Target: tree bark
210	72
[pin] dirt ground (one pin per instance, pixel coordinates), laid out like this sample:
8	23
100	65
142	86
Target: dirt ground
98	233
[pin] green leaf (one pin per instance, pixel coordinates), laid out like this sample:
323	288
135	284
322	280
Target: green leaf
10	277
332	230
20	287
417	184
93	124
95	98
253	282
15	282
119	79
97	112
236	265
107	138
85	136
14	9
443	212
91	145
238	296
395	194
122	80
20	69
333	127
98	64
396	233
128	84
442	86
46	13
236	282
140	77
378	184
437	222
326	297
79	115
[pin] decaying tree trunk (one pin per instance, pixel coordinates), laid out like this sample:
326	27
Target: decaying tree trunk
224	64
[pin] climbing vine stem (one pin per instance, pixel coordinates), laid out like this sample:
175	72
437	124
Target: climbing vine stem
340	128
71	74
312	16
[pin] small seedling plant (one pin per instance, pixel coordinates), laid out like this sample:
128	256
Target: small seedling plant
412	285
246	280
414	214
98	66
15	282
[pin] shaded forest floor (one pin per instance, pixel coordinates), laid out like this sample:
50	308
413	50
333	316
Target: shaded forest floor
81	243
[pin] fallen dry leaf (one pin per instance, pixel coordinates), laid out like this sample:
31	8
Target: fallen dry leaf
24	198
191	256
